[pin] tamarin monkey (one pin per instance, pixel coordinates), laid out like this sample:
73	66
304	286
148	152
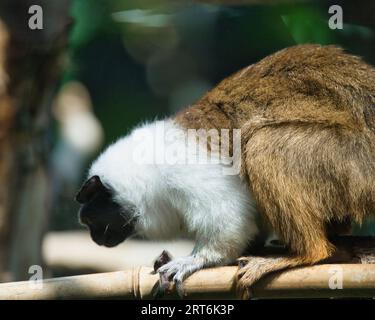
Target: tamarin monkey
306	117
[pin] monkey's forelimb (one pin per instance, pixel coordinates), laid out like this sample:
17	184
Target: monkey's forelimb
206	253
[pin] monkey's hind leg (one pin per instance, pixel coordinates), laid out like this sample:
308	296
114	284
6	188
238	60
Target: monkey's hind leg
291	178
307	248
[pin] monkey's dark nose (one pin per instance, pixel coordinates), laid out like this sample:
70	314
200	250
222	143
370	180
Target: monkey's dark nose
97	236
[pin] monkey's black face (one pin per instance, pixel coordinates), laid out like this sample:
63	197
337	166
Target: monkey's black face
108	222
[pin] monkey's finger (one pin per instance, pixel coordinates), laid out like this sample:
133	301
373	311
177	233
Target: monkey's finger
244	293
165	283
179	287
164	286
169	270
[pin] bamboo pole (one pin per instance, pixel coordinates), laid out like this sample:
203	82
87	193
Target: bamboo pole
140	283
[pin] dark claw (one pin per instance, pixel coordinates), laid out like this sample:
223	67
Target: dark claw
163	259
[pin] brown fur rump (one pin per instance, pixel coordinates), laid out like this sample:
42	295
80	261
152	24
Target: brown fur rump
307	115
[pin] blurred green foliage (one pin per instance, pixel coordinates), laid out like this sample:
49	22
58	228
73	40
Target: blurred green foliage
104	51
308	25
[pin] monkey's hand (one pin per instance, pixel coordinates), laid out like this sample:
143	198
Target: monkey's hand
164	284
178	270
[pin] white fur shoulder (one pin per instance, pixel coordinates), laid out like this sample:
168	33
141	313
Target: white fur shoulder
175	189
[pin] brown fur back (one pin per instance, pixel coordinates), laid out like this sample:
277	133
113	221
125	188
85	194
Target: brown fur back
307	117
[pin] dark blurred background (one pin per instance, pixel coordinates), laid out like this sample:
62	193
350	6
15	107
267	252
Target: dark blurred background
100	67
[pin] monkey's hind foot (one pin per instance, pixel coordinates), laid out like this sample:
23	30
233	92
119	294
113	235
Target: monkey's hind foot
254	268
251	269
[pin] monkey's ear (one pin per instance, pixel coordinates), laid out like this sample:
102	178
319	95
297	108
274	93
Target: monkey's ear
89	189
